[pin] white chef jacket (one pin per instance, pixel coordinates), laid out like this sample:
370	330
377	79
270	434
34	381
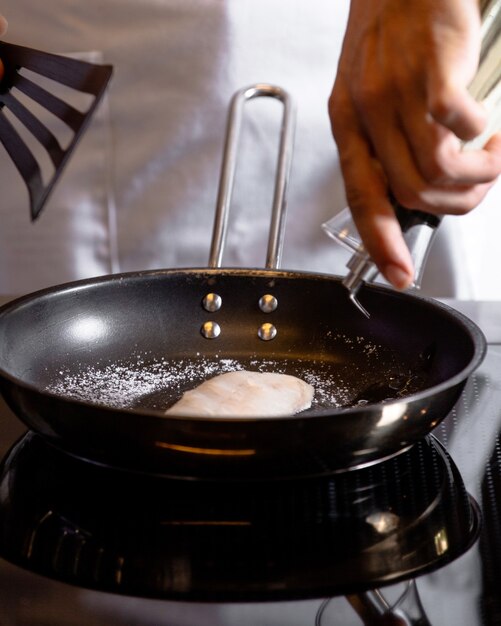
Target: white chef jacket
140	190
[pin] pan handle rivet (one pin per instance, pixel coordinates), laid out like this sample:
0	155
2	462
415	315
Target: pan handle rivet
267	332
268	303
211	330
212	302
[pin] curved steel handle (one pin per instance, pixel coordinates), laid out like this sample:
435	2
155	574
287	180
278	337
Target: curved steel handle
276	233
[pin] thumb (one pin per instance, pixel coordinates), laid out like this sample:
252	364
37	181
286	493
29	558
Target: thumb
449	101
3	29
3	25
452	106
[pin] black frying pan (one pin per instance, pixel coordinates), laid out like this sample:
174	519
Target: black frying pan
93	365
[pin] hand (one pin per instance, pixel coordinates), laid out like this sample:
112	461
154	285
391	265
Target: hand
3	29
399	111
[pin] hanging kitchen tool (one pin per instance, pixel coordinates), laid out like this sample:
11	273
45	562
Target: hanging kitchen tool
23	68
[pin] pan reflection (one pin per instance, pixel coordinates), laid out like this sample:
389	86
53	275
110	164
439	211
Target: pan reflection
87	328
149	536
392	413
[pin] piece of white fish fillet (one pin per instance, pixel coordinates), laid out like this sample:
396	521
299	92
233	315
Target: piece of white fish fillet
246	394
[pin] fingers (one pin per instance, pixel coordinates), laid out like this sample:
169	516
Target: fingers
374	164
367	195
454	108
3	29
367	188
3	25
400	120
425	165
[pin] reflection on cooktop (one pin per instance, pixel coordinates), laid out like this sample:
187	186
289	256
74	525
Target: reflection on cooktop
156	537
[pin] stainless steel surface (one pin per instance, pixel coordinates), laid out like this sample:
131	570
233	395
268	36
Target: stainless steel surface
267	332
212	302
211	330
277	226
268	303
373	608
361	269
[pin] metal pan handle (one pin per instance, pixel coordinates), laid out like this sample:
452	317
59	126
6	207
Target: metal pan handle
277	225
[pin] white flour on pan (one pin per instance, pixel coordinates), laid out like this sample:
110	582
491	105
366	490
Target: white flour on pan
374	374
156	384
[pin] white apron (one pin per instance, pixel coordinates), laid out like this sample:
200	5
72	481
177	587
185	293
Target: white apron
140	190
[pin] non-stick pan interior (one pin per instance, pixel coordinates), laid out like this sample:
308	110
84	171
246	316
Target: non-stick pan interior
135	341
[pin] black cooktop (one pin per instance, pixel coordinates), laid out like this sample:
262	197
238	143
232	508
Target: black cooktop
151	536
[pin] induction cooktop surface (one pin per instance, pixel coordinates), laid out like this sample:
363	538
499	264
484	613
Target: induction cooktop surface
139	535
